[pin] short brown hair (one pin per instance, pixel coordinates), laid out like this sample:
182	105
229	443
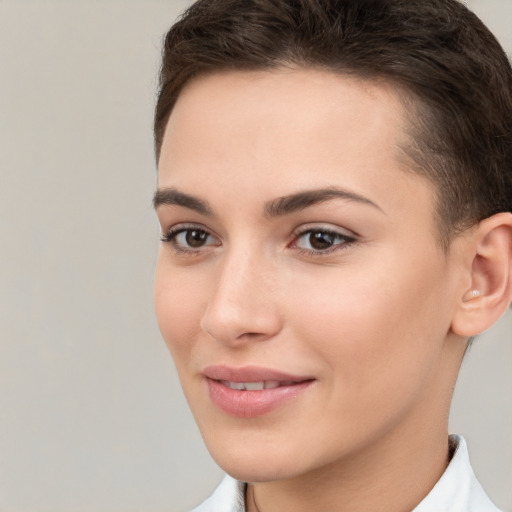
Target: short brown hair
437	51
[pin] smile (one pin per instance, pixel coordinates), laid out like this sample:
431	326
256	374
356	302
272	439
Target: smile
252	391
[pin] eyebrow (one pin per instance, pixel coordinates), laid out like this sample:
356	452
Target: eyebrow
172	196
301	200
276	208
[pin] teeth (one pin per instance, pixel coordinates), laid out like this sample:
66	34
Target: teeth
236	385
254	386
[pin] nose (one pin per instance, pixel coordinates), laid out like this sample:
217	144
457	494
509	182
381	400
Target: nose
243	306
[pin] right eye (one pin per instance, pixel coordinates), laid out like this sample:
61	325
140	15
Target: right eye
189	239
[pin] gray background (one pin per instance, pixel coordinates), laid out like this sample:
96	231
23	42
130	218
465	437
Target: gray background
91	413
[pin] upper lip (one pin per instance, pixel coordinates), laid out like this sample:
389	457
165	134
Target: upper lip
250	374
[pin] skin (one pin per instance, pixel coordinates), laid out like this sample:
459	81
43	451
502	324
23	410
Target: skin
370	319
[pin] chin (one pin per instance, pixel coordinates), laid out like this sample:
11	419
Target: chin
260	458
253	471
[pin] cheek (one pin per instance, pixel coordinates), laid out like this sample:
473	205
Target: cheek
374	330
178	308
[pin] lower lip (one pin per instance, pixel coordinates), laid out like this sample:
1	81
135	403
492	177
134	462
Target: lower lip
248	404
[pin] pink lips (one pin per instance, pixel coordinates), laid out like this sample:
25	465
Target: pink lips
224	385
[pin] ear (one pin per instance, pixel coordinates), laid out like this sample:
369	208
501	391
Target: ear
489	294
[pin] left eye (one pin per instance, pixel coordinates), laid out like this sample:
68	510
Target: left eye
189	239
193	238
321	240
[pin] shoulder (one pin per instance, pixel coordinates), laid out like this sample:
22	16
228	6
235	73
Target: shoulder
229	496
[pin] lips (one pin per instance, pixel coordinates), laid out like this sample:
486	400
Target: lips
252	391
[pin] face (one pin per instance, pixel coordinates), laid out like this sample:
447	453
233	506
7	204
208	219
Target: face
300	285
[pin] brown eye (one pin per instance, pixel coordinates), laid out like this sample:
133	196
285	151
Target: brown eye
195	238
190	240
320	240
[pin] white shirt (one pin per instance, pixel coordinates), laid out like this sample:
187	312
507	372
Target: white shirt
457	490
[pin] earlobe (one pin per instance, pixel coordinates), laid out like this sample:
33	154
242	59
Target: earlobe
490	290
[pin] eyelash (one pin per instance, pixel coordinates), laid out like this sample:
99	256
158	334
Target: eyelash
174	232
346	240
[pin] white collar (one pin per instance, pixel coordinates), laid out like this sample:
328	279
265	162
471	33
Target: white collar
457	490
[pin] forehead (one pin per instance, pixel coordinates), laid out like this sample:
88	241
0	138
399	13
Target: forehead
290	103
285	130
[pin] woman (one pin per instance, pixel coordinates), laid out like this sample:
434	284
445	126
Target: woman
335	198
